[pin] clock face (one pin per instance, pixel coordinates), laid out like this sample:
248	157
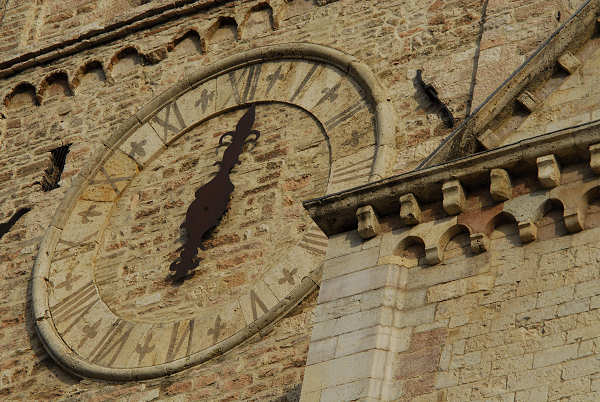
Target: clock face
111	306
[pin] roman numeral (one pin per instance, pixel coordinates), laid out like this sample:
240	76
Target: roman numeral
182	333
344	115
315	242
358	170
74	307
307	78
108	349
171	123
254	301
249	78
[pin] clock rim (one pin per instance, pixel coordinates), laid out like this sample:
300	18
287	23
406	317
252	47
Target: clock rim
53	342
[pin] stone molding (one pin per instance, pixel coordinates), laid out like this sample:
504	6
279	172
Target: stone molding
51	339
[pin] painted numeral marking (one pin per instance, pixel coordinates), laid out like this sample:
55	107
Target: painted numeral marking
254	301
75	306
344	115
247	91
314	241
307	78
109	348
173	121
181	333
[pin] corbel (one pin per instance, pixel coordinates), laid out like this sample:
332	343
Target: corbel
454	197
548	171
527	231
410	210
529	101
595	158
479	243
573	220
368	223
500	185
569	62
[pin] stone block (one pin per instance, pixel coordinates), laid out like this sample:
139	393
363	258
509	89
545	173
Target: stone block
489	139
529	101
414	317
454	197
349	263
569	62
500	185
364	339
359	282
352	322
553	356
410	210
548	171
368	223
321	350
581	367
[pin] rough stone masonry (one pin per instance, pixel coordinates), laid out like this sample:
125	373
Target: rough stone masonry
490	293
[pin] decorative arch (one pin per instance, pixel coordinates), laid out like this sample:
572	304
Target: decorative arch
58	80
90	67
25	91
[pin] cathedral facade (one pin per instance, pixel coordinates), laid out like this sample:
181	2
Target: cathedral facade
299	200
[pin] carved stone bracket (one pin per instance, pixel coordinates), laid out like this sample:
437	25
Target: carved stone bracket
529	101
368	223
569	62
500	185
527	231
454	197
595	158
548	171
573	221
479	243
410	210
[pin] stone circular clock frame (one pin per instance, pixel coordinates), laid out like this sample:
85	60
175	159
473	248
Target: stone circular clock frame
55	345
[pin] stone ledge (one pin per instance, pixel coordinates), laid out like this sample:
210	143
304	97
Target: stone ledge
335	213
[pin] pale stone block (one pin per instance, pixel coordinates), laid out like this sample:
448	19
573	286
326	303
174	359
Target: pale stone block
548	171
586	348
354	304
368	223
574	307
595	302
410	210
446	379
430	326
454	197
573	221
569	62
363	319
522	380
411	299
529	101
400	340
425	277
583	333
581	367
314	396
595	158
466	360
322	350
350	263
411	318
555	296
358	390
553	356
500	185
359	282
347	369
364	339
538	394
489	139
343	244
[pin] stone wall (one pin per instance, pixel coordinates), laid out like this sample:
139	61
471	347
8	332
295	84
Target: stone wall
83	97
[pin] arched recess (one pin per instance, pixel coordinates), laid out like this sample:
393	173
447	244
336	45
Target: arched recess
258	20
187	43
169	116
454	242
90	73
24	94
551	223
55	85
125	61
592	211
412	251
224	29
504	228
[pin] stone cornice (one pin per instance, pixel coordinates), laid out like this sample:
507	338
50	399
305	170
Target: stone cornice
336	213
142	18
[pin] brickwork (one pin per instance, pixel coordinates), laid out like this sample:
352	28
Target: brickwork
82	98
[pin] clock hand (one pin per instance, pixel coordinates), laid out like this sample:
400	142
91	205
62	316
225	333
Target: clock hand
212	199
